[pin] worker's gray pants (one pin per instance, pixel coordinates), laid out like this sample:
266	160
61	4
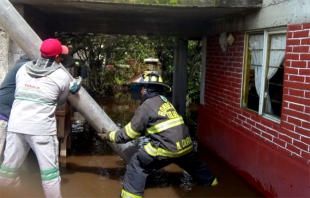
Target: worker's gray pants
46	150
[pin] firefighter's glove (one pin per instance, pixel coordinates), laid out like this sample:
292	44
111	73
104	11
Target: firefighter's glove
75	85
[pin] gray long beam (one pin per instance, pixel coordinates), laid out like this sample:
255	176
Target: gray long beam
30	42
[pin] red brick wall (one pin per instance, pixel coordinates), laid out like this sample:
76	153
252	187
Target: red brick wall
295	120
224	79
253	145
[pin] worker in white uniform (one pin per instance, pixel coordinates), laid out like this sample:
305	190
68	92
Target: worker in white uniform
41	87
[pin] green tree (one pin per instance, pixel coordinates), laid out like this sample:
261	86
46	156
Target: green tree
117	50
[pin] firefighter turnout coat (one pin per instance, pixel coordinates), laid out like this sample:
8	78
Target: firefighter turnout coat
157	119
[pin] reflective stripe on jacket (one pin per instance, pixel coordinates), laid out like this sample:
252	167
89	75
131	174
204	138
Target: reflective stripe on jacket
157	119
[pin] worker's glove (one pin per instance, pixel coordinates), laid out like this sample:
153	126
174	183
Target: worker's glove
103	135
108	135
103	130
75	85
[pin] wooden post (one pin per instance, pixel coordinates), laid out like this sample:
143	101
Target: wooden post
63	117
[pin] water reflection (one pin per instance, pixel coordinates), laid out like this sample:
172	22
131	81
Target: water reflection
121	109
171	181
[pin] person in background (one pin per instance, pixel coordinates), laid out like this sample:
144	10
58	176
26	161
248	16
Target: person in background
7	90
41	87
68	63
170	141
82	71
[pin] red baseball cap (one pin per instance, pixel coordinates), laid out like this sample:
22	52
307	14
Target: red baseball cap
52	47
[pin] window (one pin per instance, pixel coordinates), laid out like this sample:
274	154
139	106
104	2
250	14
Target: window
263	72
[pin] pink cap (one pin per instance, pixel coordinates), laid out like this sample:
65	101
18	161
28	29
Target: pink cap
52	47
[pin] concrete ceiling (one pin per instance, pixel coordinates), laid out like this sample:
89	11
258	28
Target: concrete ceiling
183	18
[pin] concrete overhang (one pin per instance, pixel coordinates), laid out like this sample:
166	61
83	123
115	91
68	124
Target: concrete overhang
183	18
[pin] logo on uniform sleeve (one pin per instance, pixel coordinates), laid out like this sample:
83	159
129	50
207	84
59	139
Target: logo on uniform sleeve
167	109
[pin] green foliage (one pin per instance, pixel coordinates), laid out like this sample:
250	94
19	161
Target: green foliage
122	95
109	77
194	75
102	50
115	50
173	2
165	49
191	119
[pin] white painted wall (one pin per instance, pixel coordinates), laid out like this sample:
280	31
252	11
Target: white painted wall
274	13
279	13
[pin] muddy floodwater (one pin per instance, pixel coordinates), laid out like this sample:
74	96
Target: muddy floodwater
92	169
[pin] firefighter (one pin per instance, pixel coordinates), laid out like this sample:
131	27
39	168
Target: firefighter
170	141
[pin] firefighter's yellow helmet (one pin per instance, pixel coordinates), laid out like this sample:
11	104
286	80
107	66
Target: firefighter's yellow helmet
151	79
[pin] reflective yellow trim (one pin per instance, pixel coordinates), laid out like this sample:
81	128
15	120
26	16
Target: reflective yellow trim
153	79
215	182
130	132
126	194
157	128
165	153
112	136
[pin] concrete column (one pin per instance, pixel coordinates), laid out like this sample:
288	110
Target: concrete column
8	53
4	46
179	87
